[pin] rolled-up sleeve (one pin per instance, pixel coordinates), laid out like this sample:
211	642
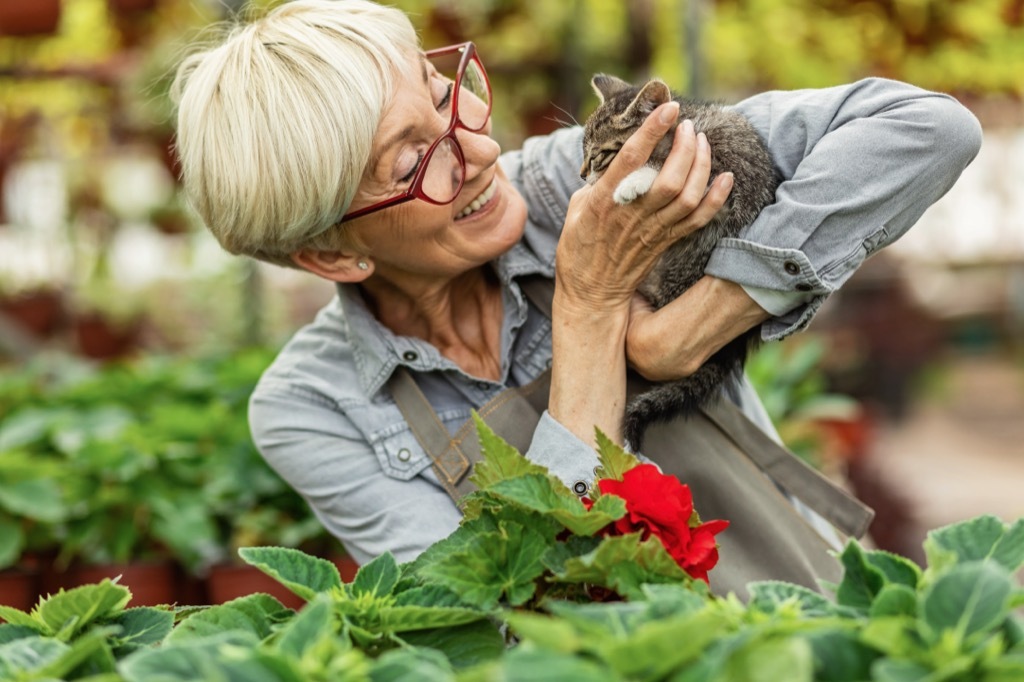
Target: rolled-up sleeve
566	457
860	164
317	450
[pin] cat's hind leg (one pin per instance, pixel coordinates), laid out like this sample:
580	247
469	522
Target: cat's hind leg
634	185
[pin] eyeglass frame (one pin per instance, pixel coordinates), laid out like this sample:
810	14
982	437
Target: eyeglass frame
415	190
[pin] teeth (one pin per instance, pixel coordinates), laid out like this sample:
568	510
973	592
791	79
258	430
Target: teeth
479	201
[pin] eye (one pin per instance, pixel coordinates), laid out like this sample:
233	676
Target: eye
407	178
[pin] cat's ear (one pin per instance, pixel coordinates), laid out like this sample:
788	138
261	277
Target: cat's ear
607	86
651	96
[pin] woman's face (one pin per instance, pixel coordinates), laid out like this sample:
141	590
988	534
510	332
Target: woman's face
419	238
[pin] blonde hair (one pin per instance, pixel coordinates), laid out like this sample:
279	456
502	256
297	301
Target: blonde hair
276	124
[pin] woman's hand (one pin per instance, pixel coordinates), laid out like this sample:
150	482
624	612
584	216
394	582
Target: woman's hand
607	249
673	342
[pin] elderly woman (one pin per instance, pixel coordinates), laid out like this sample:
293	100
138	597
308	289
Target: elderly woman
323	137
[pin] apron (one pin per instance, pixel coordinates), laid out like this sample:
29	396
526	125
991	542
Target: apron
734	469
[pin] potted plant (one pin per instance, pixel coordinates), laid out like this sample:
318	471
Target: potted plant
29	17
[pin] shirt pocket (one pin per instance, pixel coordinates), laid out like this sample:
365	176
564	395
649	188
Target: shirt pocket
400	455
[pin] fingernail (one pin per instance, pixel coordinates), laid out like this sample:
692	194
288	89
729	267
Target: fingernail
702	140
728	180
669	112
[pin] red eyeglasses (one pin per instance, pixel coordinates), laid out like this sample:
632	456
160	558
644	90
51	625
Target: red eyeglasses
442	170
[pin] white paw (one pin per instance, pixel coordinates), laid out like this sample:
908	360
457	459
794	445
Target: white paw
634	185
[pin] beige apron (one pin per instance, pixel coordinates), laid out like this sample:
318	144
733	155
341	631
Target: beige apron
734	469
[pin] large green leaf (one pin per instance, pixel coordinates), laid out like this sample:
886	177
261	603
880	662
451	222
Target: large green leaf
982	537
861	581
768	595
224	657
895	670
536	665
407	618
895	568
76	608
658	647
894	600
377	578
500	460
38	499
312	624
502	563
12	541
301	573
142	626
839	656
771	660
624	564
971	598
463	645
556	634
412	664
255	614
549	496
9	633
29	654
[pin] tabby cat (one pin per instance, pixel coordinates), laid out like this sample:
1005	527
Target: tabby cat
735	147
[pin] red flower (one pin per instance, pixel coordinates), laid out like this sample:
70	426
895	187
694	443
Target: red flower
659	505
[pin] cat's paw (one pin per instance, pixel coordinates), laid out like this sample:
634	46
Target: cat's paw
634	185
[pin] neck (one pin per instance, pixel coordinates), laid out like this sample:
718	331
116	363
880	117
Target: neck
461	317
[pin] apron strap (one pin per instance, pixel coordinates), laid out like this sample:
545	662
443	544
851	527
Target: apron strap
790	473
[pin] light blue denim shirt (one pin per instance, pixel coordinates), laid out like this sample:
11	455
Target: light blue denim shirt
860	164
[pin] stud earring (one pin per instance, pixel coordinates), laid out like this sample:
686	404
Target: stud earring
363	265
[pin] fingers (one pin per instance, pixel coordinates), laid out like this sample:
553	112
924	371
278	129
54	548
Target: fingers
639	147
690	218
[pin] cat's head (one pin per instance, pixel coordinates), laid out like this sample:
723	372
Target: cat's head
622	110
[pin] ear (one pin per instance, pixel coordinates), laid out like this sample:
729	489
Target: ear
334	266
607	87
650	97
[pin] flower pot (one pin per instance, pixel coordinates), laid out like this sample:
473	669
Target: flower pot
19	588
99	338
39	312
229	581
130	6
29	17
151	583
347	567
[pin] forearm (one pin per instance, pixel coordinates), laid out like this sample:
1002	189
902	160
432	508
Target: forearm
672	342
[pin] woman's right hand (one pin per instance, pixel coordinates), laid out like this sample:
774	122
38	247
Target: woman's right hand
607	249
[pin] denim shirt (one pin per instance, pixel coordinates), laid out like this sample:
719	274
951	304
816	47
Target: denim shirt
860	164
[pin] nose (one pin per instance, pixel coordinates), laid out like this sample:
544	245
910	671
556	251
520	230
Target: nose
584	171
479	149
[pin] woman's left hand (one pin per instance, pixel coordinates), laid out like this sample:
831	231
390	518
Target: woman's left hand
674	341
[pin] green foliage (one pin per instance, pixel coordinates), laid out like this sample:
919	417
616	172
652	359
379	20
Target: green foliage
140	460
575	606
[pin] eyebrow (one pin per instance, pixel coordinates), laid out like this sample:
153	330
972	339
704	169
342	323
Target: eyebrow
404	133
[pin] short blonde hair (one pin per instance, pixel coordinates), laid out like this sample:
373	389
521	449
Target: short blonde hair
275	124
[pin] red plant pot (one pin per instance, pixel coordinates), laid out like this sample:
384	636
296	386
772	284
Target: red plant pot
39	312
19	589
98	338
29	17
151	583
229	581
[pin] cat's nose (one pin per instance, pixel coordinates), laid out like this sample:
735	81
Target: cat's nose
584	171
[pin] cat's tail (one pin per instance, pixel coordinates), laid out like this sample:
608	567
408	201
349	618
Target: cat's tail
685	397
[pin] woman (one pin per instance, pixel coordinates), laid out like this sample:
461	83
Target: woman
321	137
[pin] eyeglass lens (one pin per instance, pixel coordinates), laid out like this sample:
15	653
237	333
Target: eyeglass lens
445	168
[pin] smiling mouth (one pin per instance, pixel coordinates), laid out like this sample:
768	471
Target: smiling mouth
479	201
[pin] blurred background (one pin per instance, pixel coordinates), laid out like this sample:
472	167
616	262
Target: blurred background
129	341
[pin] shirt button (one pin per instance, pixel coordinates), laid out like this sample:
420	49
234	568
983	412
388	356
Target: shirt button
803	286
580	488
404	455
409	356
482	385
791	267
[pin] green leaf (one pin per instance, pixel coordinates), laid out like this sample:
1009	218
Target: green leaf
971	598
983	537
624	564
892	670
547	495
556	634
38	499
840	657
312	624
12	541
895	636
428	595
301	573
522	665
80	606
18	617
413	664
615	461
500	460
9	633
768	595
506	562
142	626
378	577
895	568
220	657
894	600
255	615
656	648
463	645
772	660
861	581
29	654
407	618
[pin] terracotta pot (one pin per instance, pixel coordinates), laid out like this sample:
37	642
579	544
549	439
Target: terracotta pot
29	17
19	588
347	567
229	581
151	583
39	312
130	6
98	338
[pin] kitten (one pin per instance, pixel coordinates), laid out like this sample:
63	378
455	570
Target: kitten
735	147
